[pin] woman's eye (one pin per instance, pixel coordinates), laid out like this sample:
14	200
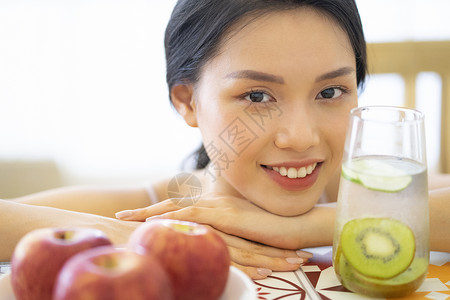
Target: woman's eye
330	93
257	97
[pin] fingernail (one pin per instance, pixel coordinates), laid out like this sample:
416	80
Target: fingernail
124	214
264	271
294	260
152	218
304	254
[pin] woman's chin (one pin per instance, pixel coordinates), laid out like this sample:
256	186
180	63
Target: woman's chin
288	207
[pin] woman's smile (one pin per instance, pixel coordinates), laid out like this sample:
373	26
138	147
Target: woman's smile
293	172
293	178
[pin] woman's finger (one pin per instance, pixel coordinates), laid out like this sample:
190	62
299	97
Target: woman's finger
247	258
262	249
168	205
252	272
261	257
197	214
141	214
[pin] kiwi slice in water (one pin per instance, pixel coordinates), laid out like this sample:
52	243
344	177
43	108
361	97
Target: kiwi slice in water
378	247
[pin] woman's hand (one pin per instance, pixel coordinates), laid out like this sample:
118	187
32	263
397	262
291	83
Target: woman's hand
258	240
231	215
258	260
239	217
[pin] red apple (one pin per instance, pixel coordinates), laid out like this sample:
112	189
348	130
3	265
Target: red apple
108	273
40	254
195	257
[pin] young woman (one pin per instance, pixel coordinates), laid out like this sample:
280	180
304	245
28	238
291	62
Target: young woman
270	85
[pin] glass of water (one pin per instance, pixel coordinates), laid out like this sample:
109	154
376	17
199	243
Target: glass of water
381	239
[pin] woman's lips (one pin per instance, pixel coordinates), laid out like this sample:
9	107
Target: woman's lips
294	179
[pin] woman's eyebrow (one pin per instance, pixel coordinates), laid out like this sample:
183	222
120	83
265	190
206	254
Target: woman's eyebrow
256	75
336	73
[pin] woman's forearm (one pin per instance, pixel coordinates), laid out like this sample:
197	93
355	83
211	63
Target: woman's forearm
440	219
95	200
18	219
319	226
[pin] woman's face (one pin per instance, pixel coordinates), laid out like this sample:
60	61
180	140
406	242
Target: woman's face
272	108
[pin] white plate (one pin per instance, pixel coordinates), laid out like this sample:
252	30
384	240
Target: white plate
239	287
6	292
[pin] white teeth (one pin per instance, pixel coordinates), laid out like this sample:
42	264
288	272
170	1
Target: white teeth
302	172
294	172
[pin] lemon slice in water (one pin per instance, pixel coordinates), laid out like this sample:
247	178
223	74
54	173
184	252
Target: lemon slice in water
376	175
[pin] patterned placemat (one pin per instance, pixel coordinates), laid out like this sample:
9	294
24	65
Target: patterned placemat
317	280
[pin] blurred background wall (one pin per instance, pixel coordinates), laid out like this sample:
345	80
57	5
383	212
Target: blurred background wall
83	98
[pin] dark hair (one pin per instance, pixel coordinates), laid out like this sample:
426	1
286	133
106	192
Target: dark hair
196	28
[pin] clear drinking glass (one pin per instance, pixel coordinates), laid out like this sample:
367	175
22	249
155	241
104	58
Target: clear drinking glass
381	239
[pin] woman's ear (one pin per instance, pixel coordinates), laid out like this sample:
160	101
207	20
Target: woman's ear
182	96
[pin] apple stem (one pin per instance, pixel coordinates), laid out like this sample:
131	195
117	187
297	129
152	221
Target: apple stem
109	262
63	235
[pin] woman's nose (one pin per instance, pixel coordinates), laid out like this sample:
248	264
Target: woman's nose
298	129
